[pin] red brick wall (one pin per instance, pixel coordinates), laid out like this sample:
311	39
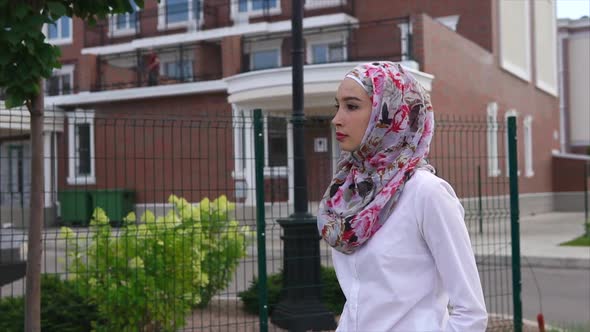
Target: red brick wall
467	77
156	147
569	174
475	22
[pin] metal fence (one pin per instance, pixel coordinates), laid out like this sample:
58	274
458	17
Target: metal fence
185	264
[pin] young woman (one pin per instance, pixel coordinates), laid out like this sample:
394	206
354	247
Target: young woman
401	250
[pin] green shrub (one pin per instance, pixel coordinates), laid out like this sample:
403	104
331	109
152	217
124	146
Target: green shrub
332	295
150	276
63	309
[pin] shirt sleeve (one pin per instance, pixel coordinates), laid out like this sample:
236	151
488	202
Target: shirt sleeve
443	228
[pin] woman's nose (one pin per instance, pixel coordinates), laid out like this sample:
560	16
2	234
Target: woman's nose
337	119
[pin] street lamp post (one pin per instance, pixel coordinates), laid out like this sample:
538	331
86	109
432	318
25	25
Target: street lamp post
301	308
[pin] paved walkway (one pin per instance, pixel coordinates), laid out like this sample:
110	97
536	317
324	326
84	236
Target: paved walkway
540	239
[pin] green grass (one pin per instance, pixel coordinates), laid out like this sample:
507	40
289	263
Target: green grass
582	241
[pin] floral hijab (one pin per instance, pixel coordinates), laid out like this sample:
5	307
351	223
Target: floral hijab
368	182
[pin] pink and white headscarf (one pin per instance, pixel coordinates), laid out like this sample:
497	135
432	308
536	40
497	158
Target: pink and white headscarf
368	182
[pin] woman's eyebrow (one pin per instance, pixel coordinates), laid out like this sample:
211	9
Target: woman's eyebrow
349	98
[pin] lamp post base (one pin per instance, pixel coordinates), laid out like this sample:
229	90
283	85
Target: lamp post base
301	308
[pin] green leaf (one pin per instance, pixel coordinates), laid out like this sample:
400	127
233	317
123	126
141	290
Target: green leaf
57	9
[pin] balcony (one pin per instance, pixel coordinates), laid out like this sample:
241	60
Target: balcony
353	42
190	16
158	66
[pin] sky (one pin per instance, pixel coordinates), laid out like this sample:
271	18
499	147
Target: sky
573	8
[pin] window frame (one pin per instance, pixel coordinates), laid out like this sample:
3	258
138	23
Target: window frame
75	118
268	45
129	30
280	171
64	70
240	17
60	40
191	21
172	57
492	140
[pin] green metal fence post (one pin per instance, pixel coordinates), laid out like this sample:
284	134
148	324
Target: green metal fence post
514	223
479	200
260	220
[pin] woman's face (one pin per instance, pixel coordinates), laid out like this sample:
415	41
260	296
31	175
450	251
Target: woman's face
353	113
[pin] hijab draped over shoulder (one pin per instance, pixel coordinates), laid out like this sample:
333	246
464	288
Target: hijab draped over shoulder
368	181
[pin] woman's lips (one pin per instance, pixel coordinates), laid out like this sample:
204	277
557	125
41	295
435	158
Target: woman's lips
340	136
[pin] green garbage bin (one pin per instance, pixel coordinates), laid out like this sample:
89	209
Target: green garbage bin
75	207
117	203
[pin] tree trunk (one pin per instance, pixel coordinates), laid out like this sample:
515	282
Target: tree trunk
33	278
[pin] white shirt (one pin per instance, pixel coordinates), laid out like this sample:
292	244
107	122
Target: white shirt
419	262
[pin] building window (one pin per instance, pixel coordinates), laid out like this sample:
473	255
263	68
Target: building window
81	147
178	13
61	81
313	4
328	52
125	24
276	133
248	6
528	146
492	139
265	59
178	70
59	32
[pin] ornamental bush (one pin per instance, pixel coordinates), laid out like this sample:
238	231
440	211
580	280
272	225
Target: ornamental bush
149	276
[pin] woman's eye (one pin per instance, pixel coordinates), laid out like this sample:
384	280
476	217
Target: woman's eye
352	107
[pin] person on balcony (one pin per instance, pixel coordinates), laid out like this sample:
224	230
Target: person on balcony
153	68
401	249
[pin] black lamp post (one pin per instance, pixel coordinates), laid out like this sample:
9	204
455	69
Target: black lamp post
301	308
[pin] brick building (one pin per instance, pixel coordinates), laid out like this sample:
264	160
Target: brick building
217	58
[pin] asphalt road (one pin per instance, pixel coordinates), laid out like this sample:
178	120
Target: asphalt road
565	295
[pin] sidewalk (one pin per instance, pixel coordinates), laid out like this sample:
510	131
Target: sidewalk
540	236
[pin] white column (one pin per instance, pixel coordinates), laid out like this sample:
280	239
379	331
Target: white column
249	159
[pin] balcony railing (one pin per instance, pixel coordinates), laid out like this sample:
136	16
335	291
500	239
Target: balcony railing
161	66
162	20
378	40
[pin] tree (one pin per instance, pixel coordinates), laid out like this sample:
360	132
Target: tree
25	60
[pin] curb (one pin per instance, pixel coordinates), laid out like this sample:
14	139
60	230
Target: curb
536	261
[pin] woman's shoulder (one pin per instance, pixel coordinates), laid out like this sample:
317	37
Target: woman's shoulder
425	183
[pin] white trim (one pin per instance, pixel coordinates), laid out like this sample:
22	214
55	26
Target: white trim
137	93
547	87
77	117
241	18
572	156
450	21
516	70
315	4
528	146
523	73
290	163
60	40
190	23
551	89
405	29
326	38
492	139
219	33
